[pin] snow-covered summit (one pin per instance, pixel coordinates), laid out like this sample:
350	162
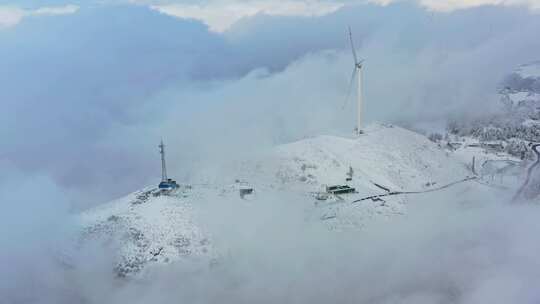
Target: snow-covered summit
165	228
148	228
392	156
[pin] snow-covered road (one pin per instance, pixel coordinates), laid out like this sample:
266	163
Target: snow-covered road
534	147
415	192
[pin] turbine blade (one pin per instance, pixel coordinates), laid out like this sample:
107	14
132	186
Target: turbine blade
352	46
349	90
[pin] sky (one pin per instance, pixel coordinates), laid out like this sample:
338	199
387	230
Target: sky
220	15
89	88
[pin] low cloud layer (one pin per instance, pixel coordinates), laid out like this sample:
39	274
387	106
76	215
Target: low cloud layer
34	226
470	249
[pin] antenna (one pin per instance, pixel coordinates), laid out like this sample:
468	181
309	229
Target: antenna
163	166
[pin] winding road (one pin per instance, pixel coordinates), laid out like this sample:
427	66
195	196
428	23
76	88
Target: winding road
415	192
518	194
534	147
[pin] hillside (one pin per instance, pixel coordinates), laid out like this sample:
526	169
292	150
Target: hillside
154	228
149	228
390	156
515	124
500	141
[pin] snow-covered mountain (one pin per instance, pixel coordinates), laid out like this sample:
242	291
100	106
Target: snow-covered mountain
516	123
390	156
149	228
155	228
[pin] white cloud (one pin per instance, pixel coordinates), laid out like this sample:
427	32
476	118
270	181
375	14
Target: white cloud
452	5
12	15
220	15
56	10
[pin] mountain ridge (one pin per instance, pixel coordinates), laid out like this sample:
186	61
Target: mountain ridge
156	228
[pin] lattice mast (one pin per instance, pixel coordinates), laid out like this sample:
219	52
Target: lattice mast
163	166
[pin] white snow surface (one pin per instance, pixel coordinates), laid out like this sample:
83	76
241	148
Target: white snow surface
523	97
493	167
149	229
166	229
529	70
387	155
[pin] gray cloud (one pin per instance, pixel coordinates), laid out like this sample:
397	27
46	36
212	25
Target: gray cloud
33	226
96	90
71	80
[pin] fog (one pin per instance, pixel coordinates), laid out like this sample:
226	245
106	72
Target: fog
441	253
86	98
470	249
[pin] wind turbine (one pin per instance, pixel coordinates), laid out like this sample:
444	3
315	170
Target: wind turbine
357	71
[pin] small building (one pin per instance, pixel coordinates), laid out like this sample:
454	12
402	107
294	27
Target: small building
493	146
350	174
245	191
244	188
169	184
340	189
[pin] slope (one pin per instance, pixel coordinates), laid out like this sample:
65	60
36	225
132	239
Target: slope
152	227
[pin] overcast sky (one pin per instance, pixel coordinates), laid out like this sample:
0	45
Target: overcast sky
89	87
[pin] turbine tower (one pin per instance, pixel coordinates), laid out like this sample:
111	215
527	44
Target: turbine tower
163	167
357	71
